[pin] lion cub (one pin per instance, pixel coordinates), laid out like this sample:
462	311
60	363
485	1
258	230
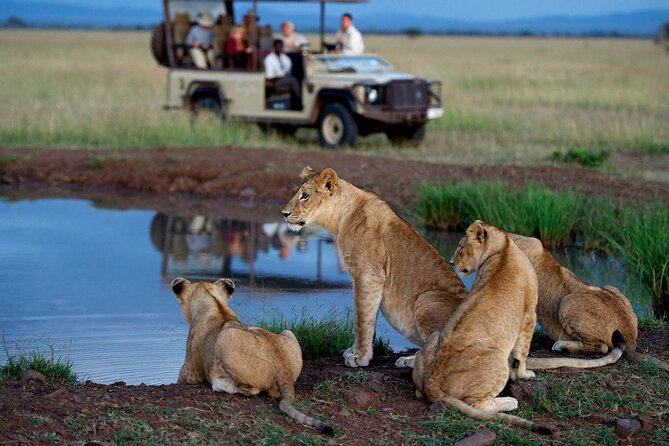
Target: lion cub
486	341
581	318
233	357
391	265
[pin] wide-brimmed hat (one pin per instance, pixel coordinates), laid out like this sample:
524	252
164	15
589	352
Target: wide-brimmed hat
205	19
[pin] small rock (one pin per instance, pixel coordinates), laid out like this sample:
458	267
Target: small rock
647	422
248	193
58	393
376	376
435	409
344	412
526	391
387	409
482	437
101	443
596	419
30	374
625	427
118	383
359	400
331	442
377	387
85	411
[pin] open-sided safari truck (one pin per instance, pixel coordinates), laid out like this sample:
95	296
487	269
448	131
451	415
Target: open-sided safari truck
342	96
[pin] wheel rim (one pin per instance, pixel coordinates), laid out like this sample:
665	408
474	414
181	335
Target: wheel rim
333	129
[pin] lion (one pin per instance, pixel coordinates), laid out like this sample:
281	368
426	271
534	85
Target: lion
486	341
233	357
392	266
579	317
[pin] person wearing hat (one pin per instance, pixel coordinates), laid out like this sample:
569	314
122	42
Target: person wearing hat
199	41
292	41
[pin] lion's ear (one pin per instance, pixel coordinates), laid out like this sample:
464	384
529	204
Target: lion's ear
327	180
479	231
307	172
179	284
228	287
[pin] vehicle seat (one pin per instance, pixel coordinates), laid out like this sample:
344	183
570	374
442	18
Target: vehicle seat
221	33
180	28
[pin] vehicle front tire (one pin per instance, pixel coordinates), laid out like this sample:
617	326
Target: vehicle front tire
336	127
208	109
406	134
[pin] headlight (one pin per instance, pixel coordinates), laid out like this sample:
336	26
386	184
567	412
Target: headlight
372	96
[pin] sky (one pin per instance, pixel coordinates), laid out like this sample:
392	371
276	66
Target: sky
470	10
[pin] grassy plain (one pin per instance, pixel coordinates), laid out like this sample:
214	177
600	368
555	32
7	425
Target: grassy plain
506	99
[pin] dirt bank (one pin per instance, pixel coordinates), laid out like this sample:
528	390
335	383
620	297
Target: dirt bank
270	175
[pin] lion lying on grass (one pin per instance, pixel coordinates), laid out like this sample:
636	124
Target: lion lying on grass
233	357
486	341
391	265
579	317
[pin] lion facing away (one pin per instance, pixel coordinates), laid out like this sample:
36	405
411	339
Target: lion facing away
392	266
486	341
233	357
579	317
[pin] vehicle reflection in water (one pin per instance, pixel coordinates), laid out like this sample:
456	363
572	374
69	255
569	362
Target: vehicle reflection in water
255	254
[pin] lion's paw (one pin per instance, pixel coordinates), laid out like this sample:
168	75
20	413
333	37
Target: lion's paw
527	374
405	361
558	346
351	359
505	404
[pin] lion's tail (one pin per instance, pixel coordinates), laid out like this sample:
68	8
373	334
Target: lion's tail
636	357
555	363
286	405
473	412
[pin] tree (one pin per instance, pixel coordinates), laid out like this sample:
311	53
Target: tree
15	22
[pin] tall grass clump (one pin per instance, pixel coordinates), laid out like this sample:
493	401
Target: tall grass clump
321	337
644	244
45	360
538	212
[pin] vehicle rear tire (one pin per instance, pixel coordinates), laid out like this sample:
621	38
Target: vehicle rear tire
406	134
208	109
336	127
159	44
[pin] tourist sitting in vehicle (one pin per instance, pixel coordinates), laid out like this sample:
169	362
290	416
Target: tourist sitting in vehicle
349	39
236	49
199	41
292	41
278	68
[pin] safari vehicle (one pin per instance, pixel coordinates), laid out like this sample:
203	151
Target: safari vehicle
342	96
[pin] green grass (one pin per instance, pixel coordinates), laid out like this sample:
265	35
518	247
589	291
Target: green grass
638	234
46	360
533	211
506	100
324	337
583	157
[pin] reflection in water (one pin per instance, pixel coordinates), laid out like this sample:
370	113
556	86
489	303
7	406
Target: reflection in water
253	253
98	280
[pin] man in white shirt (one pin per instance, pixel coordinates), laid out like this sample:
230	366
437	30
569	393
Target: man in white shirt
349	39
278	73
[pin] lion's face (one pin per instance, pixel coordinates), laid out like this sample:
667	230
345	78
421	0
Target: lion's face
310	198
470	249
193	295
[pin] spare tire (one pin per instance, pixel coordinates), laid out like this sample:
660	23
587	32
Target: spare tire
159	44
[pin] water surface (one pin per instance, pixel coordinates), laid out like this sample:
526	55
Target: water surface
94	283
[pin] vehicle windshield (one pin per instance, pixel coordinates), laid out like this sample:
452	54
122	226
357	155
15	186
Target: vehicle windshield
351	64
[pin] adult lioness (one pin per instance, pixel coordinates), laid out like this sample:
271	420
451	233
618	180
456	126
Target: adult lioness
581	318
390	264
486	341
236	358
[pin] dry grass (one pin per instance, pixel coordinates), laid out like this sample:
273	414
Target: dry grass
506	99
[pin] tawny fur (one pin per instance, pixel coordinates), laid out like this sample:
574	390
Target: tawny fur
486	341
392	266
233	357
580	317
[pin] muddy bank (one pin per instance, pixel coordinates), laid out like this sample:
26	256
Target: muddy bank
270	175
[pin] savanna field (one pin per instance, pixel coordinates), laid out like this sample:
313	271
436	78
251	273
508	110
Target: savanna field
597	108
